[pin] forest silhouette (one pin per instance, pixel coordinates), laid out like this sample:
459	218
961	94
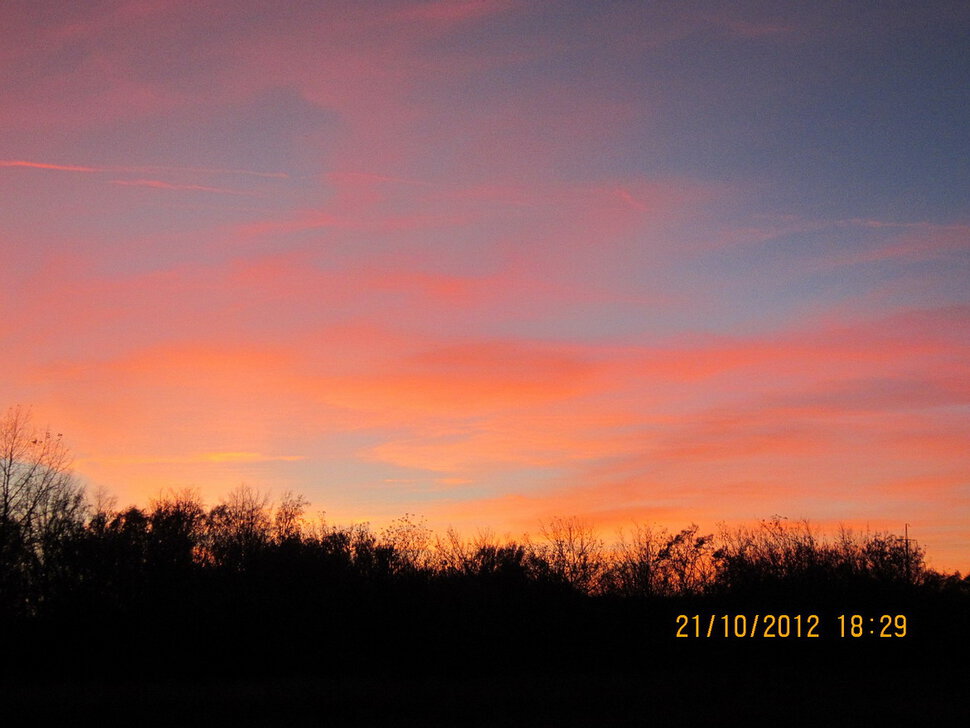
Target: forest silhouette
248	587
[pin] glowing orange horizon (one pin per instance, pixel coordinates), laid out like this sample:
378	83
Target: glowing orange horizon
422	257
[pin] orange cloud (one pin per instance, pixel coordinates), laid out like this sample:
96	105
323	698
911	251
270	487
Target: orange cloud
203	458
460	381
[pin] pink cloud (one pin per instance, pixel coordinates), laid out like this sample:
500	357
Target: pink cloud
796	422
42	165
137	170
458	381
437	293
913	242
161	185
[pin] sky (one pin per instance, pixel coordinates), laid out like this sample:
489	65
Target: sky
490	262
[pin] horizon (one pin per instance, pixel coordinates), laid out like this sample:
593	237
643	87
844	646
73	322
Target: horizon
495	262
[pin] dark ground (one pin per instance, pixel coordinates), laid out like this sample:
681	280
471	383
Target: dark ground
692	683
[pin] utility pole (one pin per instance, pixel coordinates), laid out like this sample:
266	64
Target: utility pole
906	541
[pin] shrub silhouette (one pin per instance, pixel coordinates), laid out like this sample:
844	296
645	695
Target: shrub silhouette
236	585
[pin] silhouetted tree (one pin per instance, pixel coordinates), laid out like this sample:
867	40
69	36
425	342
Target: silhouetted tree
684	561
789	558
574	552
238	528
176	522
406	542
40	504
288	518
178	581
635	568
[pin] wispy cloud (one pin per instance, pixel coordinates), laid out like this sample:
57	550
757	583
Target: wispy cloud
199	459
114	169
161	185
44	165
522	256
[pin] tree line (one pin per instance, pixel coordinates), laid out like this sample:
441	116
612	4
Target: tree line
179	575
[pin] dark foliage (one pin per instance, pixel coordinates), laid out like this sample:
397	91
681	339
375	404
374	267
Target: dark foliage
243	586
250	588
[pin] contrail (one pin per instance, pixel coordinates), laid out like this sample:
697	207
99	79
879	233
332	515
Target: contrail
41	165
137	170
203	170
159	184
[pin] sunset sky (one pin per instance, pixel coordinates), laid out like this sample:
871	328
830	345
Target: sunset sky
491	262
